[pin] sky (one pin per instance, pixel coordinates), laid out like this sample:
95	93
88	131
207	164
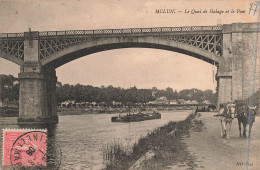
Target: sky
144	68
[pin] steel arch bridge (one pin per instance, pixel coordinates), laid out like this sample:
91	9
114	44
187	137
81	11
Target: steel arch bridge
207	40
231	47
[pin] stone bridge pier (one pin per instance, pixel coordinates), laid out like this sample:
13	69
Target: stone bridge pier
37	100
239	69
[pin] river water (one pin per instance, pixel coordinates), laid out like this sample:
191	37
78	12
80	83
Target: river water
77	141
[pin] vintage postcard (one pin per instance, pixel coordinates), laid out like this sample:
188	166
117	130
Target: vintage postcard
130	84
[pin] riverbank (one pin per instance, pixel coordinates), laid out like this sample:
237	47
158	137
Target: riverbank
164	146
61	111
194	143
110	110
89	110
213	152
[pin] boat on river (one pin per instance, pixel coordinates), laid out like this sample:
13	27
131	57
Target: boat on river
132	117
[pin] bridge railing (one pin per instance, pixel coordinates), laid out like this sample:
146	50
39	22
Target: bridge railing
117	31
131	31
11	35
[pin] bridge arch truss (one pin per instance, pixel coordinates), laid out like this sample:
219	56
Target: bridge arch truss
201	39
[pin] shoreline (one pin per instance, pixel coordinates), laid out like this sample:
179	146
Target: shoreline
194	143
82	112
158	149
14	112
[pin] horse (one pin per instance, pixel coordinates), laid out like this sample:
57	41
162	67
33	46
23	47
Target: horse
246	116
226	115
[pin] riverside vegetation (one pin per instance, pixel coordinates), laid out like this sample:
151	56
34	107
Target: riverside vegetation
9	90
164	145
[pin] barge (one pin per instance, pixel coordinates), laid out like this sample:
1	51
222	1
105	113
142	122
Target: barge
131	117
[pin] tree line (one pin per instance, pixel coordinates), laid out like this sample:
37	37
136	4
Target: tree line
9	91
88	93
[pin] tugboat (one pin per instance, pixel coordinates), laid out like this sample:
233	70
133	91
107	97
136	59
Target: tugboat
131	117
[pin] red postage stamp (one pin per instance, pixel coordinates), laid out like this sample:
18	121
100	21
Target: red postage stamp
24	147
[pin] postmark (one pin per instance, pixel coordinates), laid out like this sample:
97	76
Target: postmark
24	147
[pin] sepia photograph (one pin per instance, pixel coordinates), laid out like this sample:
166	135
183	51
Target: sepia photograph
130	84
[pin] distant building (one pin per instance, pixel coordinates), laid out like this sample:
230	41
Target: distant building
194	102
187	102
181	101
206	102
93	103
114	103
172	102
161	100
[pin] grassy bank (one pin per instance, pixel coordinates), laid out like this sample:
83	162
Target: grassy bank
164	142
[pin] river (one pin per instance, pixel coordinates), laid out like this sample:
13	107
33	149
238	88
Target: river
77	140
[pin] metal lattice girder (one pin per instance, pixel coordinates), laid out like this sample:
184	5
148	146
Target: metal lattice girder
14	48
208	38
50	46
210	43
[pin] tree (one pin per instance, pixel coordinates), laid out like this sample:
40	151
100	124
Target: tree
9	88
170	94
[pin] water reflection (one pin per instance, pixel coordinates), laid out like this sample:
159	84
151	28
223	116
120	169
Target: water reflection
76	142
53	149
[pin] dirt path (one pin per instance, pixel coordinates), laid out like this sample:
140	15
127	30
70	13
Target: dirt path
213	152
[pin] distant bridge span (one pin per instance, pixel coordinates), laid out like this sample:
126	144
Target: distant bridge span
229	47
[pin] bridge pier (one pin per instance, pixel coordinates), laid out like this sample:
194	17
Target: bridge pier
239	69
224	89
50	81
37	100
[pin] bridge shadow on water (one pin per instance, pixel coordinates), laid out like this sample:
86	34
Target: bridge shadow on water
53	152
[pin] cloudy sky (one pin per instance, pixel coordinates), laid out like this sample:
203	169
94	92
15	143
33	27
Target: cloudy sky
144	68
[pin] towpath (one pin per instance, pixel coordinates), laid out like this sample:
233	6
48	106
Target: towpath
211	152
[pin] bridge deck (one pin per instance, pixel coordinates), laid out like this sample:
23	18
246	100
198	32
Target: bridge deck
131	31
